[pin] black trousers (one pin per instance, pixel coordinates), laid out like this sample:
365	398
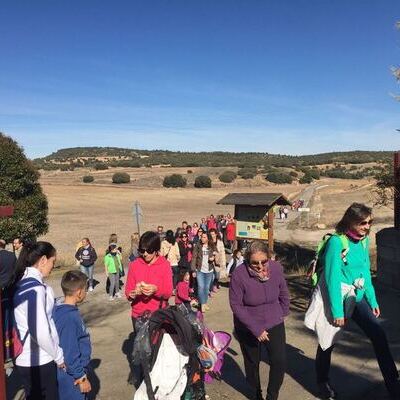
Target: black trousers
370	325
276	349
40	383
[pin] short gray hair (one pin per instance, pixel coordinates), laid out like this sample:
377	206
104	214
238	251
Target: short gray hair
256	246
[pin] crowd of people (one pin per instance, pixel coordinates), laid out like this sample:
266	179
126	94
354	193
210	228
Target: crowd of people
187	264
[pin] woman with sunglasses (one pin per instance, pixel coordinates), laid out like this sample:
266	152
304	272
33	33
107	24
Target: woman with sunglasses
346	268
259	300
186	252
149	282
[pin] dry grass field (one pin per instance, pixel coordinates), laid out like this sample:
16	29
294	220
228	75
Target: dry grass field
77	210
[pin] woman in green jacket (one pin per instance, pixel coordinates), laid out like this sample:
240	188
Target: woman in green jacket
113	266
346	264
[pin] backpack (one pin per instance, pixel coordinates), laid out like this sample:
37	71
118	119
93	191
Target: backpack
12	342
316	266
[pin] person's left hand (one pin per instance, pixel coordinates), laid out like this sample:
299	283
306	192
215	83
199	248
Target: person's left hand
263	337
376	311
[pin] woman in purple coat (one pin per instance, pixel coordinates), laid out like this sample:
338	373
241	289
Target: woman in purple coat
259	300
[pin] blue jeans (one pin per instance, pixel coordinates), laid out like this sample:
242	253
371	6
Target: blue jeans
88	271
370	325
204	280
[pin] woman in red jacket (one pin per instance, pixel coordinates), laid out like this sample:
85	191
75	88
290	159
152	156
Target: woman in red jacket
149	281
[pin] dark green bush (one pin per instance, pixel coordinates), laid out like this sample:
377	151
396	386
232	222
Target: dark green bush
202	181
279	177
227	176
306	178
121	177
100	166
174	181
88	179
247	172
294	174
248	175
20	187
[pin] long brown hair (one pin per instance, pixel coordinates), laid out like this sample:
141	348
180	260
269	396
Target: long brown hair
355	214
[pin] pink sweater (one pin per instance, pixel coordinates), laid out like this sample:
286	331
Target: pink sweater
182	292
159	273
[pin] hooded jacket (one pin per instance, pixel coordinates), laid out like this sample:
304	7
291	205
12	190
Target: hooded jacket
74	339
86	256
160	274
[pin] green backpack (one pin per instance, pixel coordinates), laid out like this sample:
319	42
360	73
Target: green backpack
316	266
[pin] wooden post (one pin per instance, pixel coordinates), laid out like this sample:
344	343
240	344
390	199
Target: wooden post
5	211
396	164
271	231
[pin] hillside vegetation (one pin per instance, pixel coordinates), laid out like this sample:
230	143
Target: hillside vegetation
114	157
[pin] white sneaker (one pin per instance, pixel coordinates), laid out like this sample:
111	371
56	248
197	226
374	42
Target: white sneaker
90	288
111	298
118	295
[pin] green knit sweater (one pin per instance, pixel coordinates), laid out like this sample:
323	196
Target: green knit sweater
336	272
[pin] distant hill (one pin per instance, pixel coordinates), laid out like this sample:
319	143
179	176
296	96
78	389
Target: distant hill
119	157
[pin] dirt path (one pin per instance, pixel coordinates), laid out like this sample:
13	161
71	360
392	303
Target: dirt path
354	368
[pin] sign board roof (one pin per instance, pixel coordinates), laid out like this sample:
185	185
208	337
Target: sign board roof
255	199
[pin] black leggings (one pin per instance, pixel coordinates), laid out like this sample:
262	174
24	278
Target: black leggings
40	382
366	320
251	350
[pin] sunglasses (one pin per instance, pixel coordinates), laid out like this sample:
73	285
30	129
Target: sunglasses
148	251
184	236
257	264
368	222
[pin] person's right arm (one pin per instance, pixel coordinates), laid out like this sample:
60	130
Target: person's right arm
193	265
69	340
332	269
78	255
39	325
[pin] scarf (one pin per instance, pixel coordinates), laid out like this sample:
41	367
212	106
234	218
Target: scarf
354	236
262	276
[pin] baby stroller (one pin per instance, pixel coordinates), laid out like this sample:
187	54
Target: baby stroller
166	348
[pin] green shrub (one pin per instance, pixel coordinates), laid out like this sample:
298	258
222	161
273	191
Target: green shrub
227	176
202	181
306	178
174	181
279	177
121	177
20	187
247	172
88	179
248	175
294	174
100	166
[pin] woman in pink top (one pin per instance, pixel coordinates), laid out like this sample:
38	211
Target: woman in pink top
149	281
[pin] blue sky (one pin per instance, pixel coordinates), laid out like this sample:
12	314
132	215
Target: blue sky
293	77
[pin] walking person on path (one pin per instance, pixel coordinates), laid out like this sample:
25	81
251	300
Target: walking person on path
33	304
202	265
170	250
354	228
86	255
259	299
113	270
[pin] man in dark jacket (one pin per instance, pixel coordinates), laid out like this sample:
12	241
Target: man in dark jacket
7	265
